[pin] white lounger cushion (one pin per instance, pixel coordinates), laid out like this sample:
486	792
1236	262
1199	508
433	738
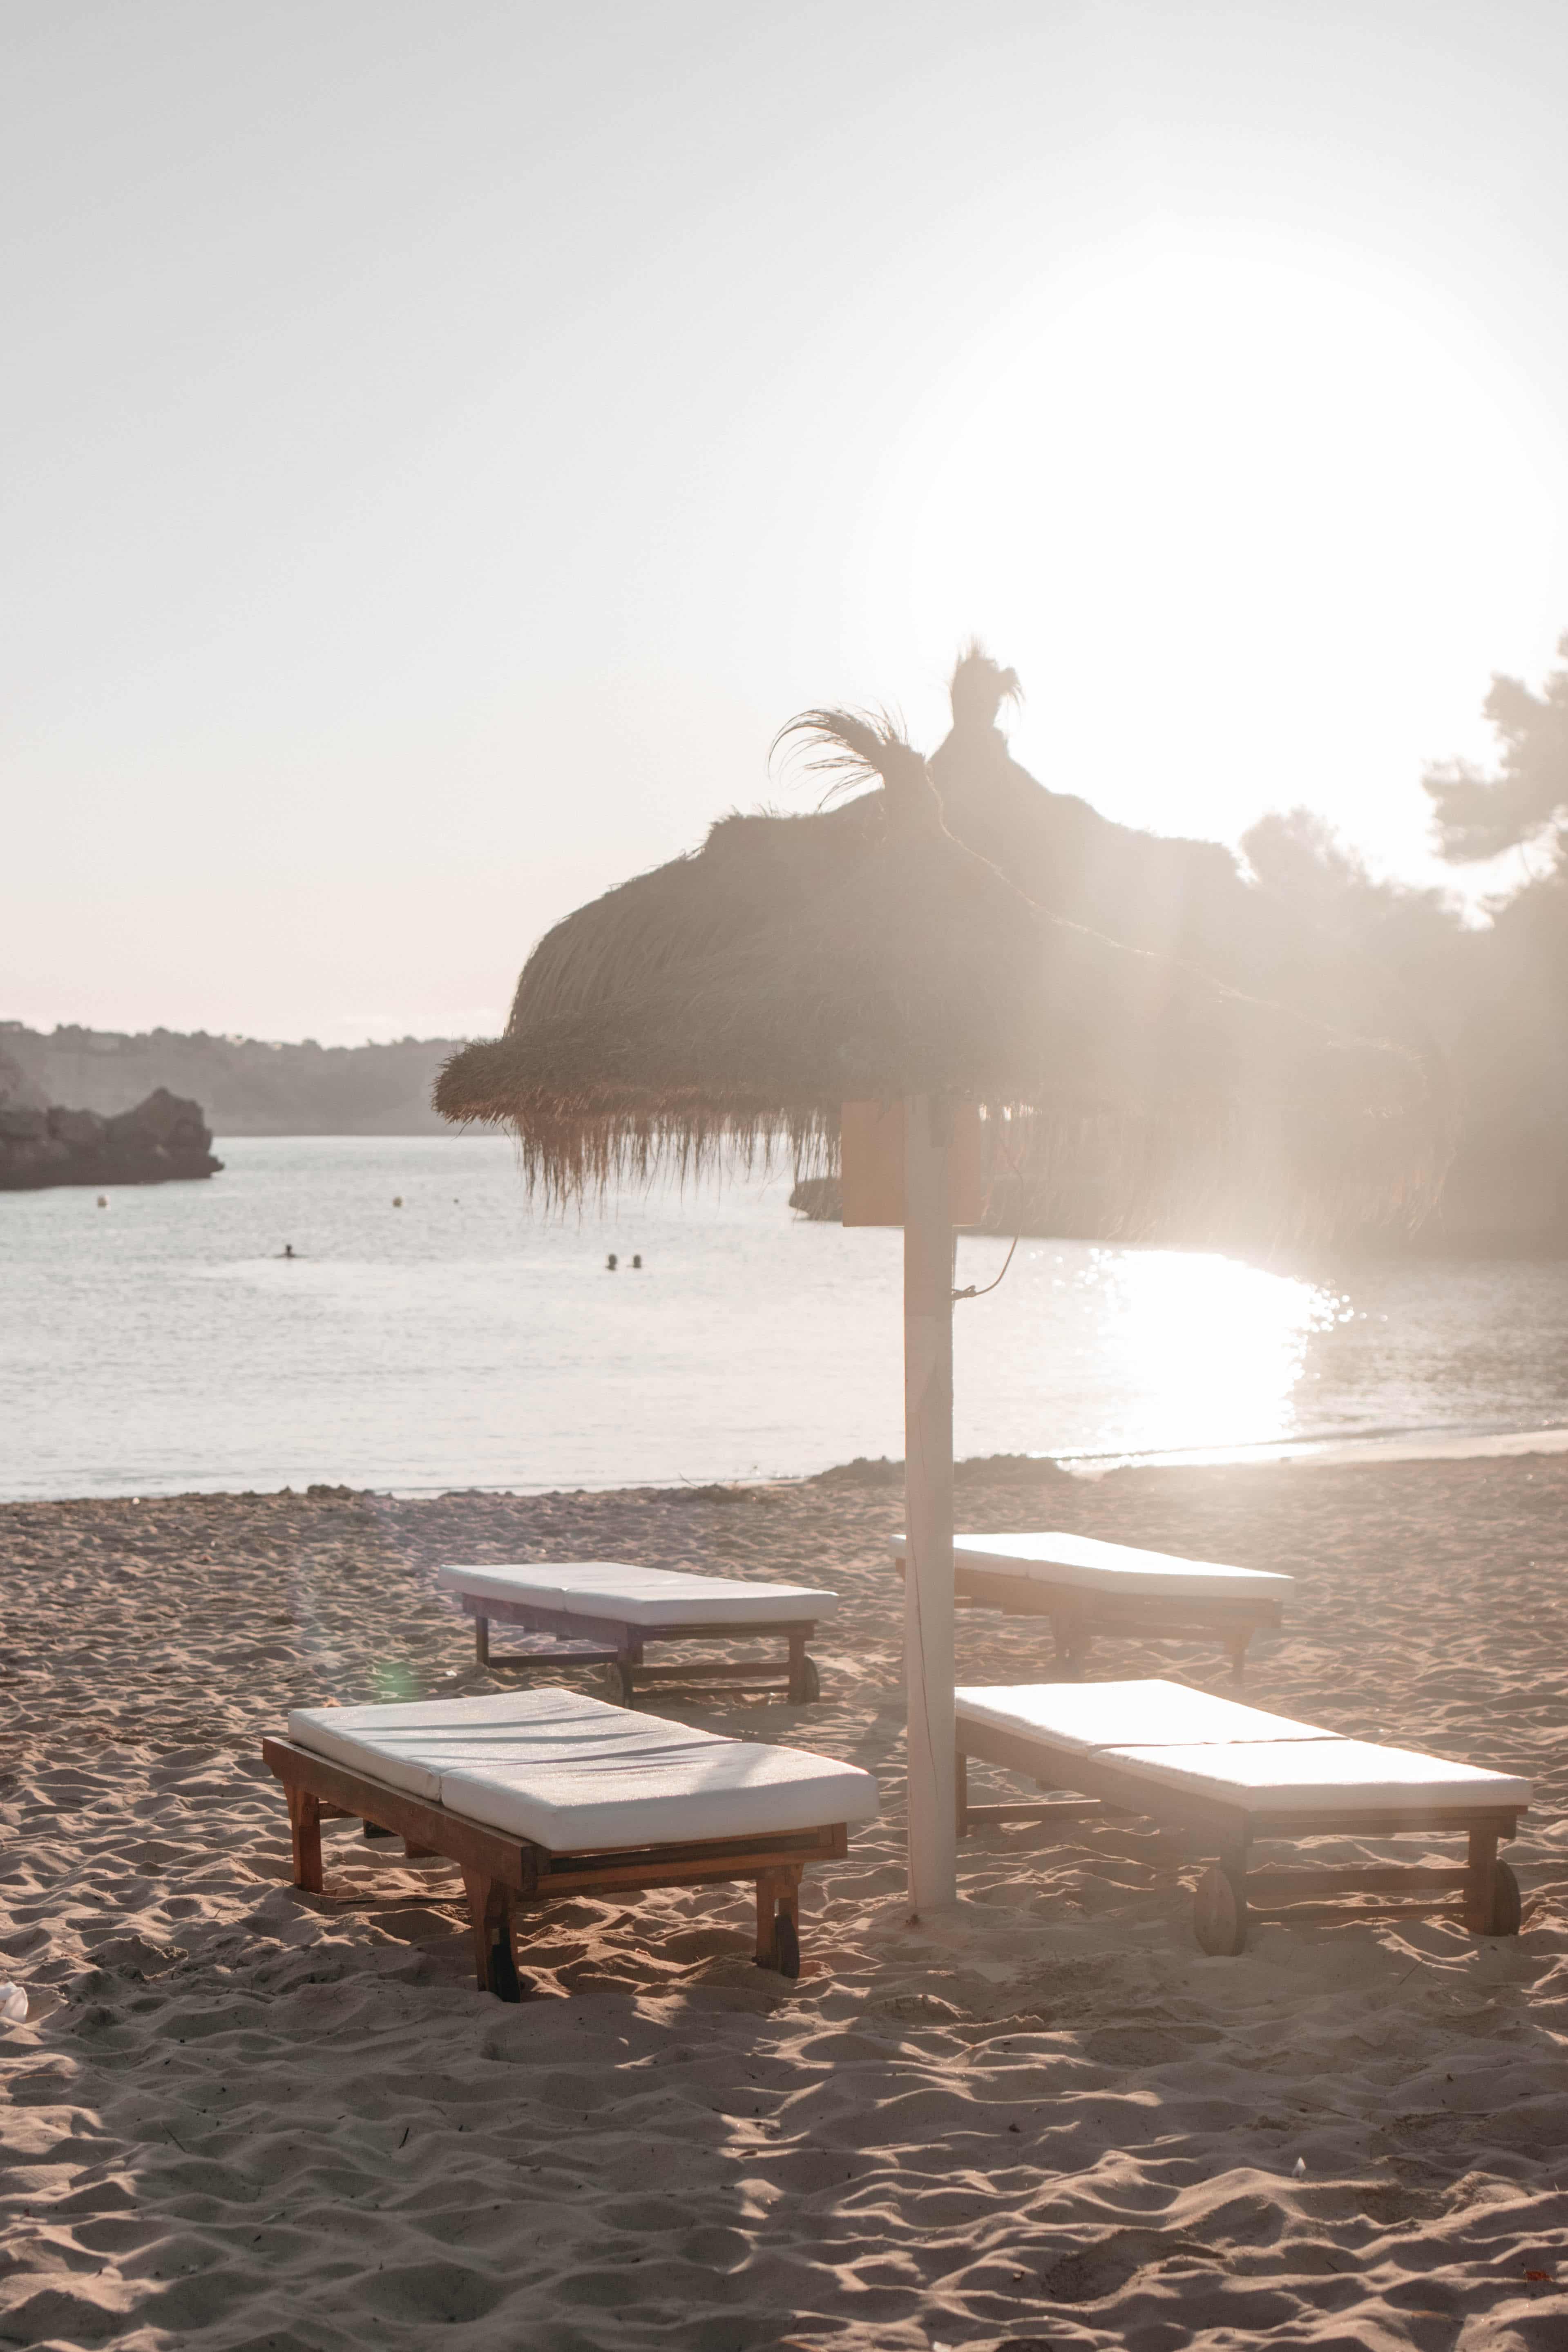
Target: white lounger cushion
1146	1713
1092	1565
573	1775
627	1595
1211	1746
413	1742
1284	1776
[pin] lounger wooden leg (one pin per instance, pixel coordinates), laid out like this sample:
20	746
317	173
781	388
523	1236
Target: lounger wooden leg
490	1910
778	1921
1236	1645
624	1671
1491	1890
767	1918
1219	1904
787	1931
1480	1863
961	1791
1069	1638
417	1852
799	1692
305	1824
482	1639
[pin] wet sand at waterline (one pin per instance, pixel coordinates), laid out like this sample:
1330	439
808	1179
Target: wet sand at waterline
240	2116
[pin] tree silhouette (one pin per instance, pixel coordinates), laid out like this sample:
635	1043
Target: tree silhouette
1525	800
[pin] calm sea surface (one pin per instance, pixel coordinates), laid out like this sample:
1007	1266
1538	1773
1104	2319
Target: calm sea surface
165	1343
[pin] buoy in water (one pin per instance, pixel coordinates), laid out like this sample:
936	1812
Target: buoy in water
103	1200
611	1263
637	1262
397	1199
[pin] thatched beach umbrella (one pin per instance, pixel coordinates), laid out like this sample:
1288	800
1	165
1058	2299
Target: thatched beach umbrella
737	998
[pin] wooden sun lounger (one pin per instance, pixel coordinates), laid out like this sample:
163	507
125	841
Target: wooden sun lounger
605	1613
1228	1774
1086	1586
537	1795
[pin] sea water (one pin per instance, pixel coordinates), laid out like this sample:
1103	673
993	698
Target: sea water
166	1342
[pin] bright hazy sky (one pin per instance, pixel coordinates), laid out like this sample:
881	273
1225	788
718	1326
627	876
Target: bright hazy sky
443	439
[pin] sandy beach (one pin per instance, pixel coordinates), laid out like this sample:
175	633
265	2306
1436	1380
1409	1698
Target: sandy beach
246	2118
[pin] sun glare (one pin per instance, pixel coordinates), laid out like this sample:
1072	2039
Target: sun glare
1231	504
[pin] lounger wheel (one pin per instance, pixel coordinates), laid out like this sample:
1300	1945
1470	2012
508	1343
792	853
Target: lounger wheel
786	1943
1503	1919
619	1686
810	1684
1219	1912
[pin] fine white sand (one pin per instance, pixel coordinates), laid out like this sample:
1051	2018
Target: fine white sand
240	2116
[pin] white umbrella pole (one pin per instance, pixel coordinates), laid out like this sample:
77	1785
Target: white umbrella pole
928	1506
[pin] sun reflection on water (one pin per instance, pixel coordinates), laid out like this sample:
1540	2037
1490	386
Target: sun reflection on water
1204	1349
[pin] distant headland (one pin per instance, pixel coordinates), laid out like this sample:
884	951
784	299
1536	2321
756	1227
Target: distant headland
160	1141
245	1085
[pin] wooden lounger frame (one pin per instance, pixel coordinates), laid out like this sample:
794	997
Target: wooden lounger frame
569	1638
502	1872
1078	1613
1481	1890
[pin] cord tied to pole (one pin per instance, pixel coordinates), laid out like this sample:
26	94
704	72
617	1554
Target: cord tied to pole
980	1291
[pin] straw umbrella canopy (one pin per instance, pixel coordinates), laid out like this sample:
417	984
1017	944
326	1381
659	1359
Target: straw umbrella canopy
901	948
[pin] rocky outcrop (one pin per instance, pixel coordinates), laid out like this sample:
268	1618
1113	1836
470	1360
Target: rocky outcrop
40	1143
820	1199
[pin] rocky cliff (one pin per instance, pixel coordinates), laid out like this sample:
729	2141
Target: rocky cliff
42	1144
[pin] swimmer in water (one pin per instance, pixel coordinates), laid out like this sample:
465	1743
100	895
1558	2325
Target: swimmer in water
288	1249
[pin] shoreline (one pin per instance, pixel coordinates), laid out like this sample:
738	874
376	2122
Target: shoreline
1326	1453
1413	1446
